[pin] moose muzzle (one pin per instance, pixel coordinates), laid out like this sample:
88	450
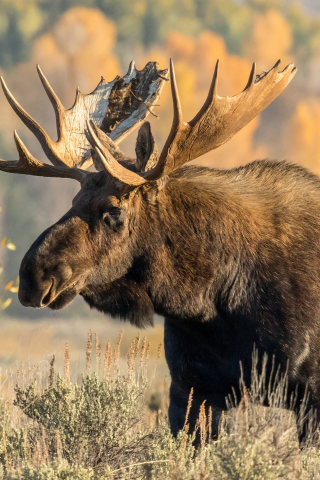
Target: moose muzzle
39	286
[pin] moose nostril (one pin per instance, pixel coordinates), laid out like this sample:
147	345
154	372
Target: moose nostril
47	297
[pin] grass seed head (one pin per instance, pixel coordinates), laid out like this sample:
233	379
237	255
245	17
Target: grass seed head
88	352
107	361
98	354
67	363
51	372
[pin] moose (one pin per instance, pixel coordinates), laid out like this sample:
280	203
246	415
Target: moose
230	258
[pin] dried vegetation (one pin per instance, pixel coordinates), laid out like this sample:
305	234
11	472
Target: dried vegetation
107	425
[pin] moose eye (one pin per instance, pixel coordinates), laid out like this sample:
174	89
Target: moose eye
114	213
112	217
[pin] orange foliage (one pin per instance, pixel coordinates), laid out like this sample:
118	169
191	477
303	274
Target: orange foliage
233	70
271	39
303	135
80	47
180	45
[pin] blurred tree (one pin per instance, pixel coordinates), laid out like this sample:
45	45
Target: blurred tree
306	34
227	18
265	5
145	22
78	50
6	288
13	48
270	39
302	135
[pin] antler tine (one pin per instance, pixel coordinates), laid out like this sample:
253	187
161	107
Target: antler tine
59	109
212	95
109	163
117	118
44	139
131	67
117	171
214	83
28	165
178	124
278	63
177	110
25	157
252	76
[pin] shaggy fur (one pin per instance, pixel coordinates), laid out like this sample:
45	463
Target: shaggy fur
230	258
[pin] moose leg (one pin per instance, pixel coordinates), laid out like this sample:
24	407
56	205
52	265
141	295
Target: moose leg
192	367
178	410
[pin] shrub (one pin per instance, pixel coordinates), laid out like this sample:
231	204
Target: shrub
100	428
94	424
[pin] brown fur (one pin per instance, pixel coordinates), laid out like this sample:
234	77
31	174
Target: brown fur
230	258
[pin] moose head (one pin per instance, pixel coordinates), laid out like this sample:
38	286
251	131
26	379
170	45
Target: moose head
128	244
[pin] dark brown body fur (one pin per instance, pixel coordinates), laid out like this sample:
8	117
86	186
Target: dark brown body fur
230	258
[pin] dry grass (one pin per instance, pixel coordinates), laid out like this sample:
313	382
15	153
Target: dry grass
21	340
100	426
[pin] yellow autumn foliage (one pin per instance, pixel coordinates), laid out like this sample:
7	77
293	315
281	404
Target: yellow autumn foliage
302	135
270	39
79	48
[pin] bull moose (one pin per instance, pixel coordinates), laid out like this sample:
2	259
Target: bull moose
230	258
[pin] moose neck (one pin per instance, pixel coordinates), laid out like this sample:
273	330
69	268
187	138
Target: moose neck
187	269
203	244
185	255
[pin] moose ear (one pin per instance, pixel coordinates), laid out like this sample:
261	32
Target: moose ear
146	149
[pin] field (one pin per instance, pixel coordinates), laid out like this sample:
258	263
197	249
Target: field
105	416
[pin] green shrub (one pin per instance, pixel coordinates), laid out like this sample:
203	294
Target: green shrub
55	471
94	424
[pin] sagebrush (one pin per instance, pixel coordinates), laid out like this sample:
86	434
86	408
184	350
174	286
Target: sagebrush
99	426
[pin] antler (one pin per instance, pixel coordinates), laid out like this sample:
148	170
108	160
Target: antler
29	165
107	162
116	107
219	118
217	121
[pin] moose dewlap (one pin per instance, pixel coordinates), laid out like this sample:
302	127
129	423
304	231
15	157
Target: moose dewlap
230	258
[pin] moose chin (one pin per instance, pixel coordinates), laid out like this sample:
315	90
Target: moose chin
230	258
